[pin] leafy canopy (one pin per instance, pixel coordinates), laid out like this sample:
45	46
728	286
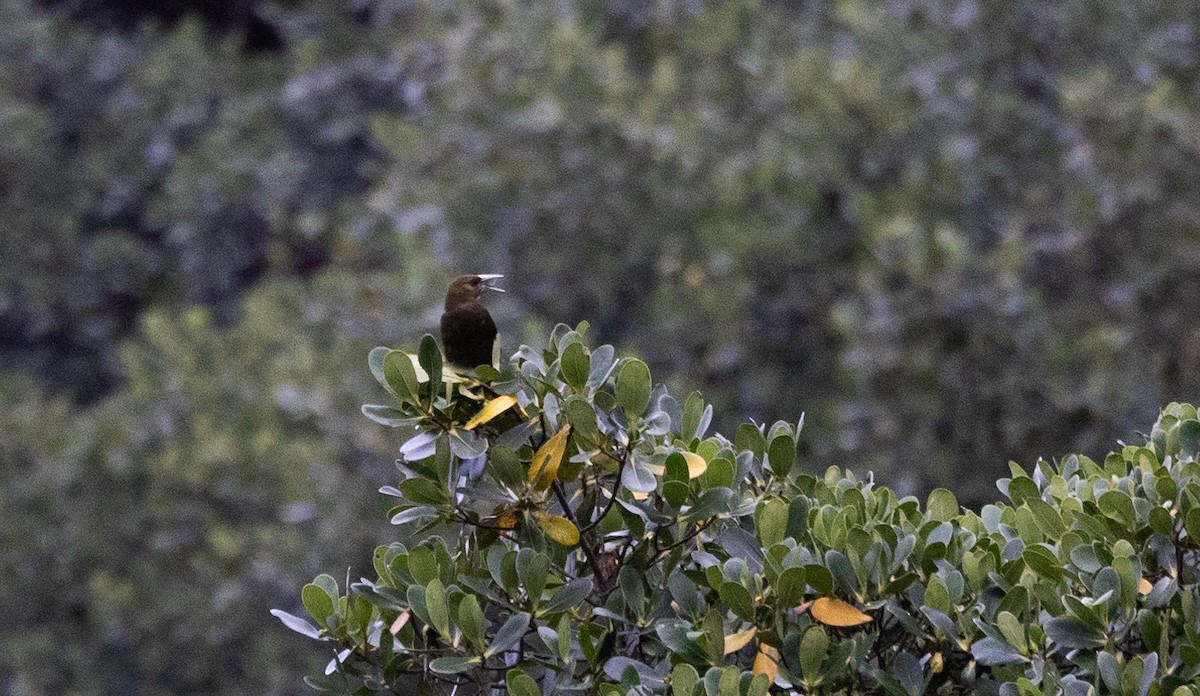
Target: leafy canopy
574	528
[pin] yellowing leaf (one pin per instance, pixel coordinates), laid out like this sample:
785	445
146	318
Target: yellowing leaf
1144	587
737	641
558	528
491	409
508	519
835	612
697	465
767	662
937	663
549	456
638	495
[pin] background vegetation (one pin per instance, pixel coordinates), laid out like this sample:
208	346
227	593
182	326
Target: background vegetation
951	233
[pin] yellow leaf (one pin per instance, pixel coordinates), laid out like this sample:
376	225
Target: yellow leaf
835	612
767	662
558	528
696	464
937	663
508	519
549	456
737	641
491	409
1144	587
638	495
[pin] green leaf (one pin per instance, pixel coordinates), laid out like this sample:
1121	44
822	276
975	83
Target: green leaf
1110	670
991	652
633	388
729	682
401	378
750	437
789	586
684	679
430	357
1043	562
1022	488
814	647
798	508
738	599
1189	438
1192	524
782	455
631	589
1049	520
1071	633
424	492
719	474
470	620
941	505
317	602
711	503
569	595
1161	521
842	569
581	414
772	522
519	683
694	412
1118	506
533	568
676	493
509	634
714	637
575	366
453	664
416	601
564	638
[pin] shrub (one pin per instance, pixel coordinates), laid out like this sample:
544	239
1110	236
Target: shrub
580	531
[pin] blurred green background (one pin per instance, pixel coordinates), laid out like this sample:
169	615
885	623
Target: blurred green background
951	232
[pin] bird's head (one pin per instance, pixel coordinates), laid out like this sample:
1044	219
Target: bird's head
468	288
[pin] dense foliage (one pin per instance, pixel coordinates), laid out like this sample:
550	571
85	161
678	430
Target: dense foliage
952	233
590	536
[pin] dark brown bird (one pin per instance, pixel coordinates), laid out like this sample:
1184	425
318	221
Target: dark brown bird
468	331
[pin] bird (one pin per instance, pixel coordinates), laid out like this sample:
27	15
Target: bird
468	331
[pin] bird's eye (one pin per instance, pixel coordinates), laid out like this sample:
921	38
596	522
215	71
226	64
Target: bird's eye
475	281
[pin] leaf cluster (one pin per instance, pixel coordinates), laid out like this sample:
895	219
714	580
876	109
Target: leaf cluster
602	541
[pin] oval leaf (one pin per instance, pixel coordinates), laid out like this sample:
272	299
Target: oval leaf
400	376
696	464
545	463
491	409
558	528
739	640
633	388
835	612
766	661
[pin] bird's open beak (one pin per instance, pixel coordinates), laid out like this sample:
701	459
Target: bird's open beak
485	277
